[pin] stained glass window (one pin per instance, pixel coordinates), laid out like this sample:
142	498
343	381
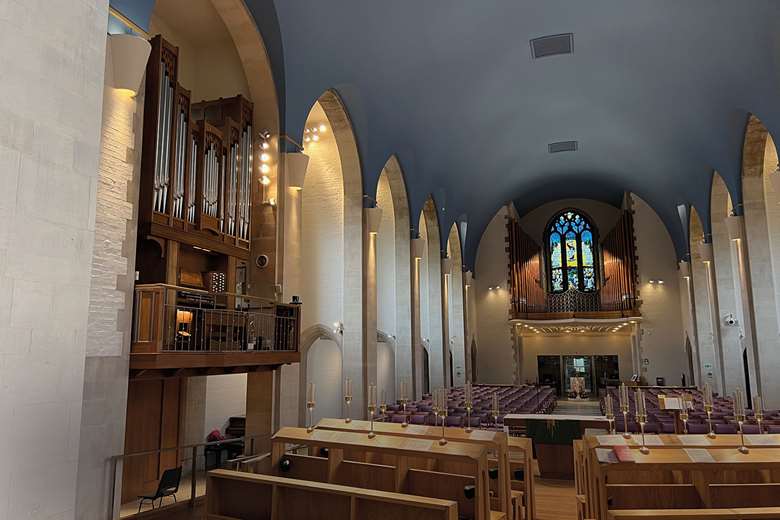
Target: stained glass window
572	253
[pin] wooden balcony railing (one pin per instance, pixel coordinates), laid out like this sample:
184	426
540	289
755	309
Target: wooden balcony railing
170	319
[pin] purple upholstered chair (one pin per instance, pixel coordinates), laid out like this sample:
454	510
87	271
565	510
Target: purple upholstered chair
750	428
454	420
397	418
698	428
725	428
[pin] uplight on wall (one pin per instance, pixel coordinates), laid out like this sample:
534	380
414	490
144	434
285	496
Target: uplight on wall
128	55
656	282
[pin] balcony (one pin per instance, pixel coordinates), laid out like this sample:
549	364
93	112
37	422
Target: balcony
184	331
574	304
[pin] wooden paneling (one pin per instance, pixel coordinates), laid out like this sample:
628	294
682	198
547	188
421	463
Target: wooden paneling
618	291
152	424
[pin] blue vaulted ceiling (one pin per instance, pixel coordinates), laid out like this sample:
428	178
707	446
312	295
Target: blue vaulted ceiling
657	93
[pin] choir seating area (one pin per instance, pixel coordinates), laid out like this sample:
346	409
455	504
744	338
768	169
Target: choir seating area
512	399
690	477
663	421
357	469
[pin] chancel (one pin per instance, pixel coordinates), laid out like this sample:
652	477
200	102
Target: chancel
275	259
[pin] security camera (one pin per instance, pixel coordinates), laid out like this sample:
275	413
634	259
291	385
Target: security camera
730	320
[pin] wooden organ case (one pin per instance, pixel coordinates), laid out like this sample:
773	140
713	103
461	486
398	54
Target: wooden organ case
196	165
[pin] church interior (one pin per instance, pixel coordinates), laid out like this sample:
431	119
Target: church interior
275	259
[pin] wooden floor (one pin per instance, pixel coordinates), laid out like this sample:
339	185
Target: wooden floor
555	500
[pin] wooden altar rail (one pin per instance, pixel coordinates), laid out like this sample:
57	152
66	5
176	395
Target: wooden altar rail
683	476
389	463
233	495
512	457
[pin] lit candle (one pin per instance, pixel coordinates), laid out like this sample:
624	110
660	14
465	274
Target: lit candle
608	408
348	388
624	398
310	401
739	406
708	400
467	390
372	396
641	409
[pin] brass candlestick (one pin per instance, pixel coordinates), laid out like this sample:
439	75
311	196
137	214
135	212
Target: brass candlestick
441	397
686	400
383	405
348	399
310	403
708	404
641	418
624	406
758	411
469	397
609	413
371	409
739	416
404	399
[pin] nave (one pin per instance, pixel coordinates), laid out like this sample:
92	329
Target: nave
279	259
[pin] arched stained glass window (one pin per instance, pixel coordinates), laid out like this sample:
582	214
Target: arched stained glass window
571	250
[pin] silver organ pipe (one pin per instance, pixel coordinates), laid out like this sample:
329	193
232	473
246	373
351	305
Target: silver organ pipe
220	205
245	176
210	181
165	172
181	161
231	189
158	144
193	180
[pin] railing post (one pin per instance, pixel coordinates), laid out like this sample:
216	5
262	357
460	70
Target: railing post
194	479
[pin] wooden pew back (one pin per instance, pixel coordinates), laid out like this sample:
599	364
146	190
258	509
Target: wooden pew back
232	495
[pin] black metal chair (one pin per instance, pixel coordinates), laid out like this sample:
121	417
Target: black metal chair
168	486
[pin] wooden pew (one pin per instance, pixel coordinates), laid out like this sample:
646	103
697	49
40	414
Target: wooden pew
233	495
521	457
508	455
390	463
683	476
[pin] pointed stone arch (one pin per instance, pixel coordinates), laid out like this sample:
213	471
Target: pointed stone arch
431	318
394	298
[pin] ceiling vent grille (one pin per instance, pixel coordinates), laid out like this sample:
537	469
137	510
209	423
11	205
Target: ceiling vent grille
552	45
563	146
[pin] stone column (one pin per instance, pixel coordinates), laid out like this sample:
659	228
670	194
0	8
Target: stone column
417	247
707	257
373	218
736	227
689	310
446	278
294	169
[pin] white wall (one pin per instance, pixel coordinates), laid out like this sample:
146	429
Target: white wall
50	104
385	361
386	260
209	64
495	347
324	370
662	339
225	398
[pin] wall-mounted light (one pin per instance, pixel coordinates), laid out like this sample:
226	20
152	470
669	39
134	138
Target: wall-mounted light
734	225
685	269
373	219
295	164
417	247
128	55
446	265
705	251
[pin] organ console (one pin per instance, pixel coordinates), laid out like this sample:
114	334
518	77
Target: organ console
196	165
